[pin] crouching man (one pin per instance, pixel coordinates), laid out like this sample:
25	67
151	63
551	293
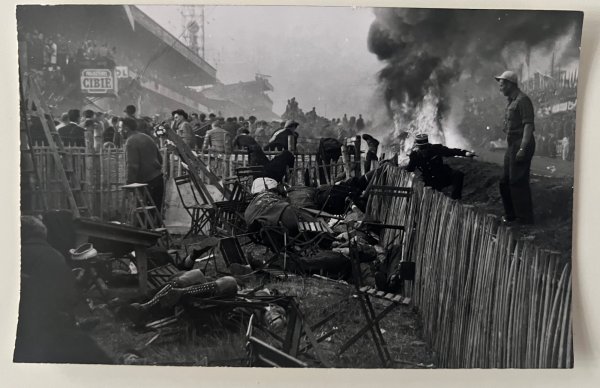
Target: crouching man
428	158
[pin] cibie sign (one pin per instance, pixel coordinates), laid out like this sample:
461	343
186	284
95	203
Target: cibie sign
97	81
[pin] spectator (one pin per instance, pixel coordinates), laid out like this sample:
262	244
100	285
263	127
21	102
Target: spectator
279	140
360	124
217	139
72	134
183	127
47	331
243	140
143	160
64	120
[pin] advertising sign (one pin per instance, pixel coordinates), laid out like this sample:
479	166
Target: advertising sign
122	71
98	81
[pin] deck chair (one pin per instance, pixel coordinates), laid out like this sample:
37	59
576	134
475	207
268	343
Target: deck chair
364	294
201	212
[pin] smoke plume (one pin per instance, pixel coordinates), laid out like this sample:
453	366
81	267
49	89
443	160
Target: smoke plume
426	51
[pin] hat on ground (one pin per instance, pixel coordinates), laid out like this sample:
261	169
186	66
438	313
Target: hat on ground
290	124
83	252
130	110
421	139
509	76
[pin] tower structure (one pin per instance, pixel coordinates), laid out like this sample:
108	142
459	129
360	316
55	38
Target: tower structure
193	23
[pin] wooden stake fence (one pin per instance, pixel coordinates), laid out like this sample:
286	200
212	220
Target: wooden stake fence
486	298
103	173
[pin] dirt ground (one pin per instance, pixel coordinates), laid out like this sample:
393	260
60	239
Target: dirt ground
219	341
552	200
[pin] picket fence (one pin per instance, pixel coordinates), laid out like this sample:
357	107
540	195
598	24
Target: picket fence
487	298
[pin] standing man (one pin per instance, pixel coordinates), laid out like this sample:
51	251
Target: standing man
130	111
144	161
217	139
519	127
72	134
360	123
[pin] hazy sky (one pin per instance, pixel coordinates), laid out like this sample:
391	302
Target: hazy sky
317	54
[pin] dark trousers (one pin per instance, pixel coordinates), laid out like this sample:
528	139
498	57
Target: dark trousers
514	185
449	178
156	188
369	157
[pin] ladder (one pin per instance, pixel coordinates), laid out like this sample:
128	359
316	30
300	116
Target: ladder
68	179
142	211
32	200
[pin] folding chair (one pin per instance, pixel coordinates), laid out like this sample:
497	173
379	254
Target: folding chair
312	232
378	192
364	294
247	174
228	216
232	252
261	353
201	213
291	345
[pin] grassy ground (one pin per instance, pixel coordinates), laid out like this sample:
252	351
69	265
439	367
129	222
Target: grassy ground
220	341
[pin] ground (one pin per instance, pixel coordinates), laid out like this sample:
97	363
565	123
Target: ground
552	194
219	343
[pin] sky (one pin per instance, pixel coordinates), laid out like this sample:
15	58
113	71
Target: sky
317	54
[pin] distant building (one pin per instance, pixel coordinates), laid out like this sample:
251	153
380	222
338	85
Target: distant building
153	69
251	96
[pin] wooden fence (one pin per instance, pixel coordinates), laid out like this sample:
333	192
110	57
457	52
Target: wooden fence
102	174
486	298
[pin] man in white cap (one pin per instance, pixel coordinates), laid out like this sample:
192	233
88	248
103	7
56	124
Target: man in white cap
519	127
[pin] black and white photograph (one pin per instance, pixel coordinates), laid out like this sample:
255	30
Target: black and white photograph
297	186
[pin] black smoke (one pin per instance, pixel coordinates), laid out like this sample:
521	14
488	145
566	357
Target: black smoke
427	50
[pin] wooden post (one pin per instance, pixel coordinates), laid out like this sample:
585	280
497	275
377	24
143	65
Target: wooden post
357	157
142	267
345	161
291	144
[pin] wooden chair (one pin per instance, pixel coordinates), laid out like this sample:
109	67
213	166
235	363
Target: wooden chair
201	212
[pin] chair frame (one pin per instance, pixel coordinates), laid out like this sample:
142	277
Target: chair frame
200	213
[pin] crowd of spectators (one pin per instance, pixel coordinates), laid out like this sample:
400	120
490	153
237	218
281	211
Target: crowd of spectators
554	121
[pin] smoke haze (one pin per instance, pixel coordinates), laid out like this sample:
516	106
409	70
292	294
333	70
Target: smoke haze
426	51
